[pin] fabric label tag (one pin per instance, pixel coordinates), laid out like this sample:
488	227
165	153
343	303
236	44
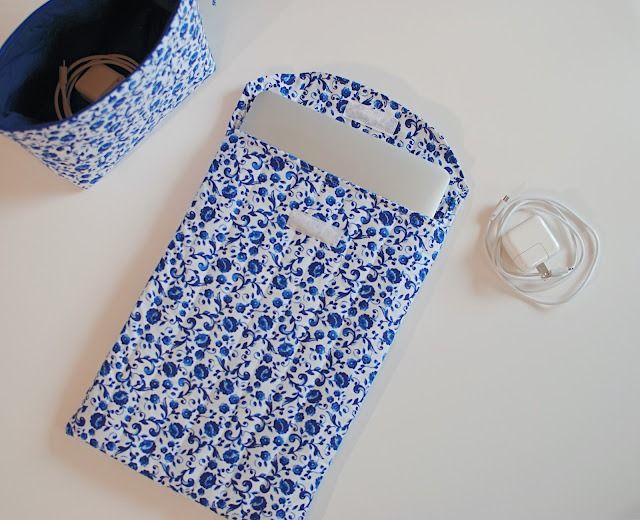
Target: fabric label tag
314	227
376	119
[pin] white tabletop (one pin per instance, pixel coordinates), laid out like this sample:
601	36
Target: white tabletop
488	408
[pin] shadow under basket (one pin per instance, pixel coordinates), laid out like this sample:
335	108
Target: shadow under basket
165	37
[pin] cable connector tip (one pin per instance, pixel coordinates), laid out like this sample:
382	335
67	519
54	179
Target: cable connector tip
498	209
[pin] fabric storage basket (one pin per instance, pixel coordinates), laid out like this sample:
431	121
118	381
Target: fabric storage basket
253	345
165	37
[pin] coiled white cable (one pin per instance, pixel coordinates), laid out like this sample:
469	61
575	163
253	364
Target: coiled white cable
584	246
69	76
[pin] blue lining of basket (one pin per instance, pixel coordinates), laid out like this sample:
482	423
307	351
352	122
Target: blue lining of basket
69	30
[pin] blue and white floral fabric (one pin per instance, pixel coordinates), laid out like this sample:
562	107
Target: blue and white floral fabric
84	147
253	346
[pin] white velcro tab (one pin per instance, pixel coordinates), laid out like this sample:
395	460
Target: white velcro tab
314	227
377	119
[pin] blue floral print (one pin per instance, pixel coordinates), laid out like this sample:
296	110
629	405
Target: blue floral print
252	347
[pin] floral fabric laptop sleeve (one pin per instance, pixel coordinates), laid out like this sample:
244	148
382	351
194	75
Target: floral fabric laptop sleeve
267	319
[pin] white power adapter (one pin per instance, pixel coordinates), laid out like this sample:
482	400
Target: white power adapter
92	77
530	245
98	81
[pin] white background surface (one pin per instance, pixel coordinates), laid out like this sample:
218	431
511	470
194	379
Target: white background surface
488	409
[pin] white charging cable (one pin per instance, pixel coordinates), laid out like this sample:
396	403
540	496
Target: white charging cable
69	77
529	285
